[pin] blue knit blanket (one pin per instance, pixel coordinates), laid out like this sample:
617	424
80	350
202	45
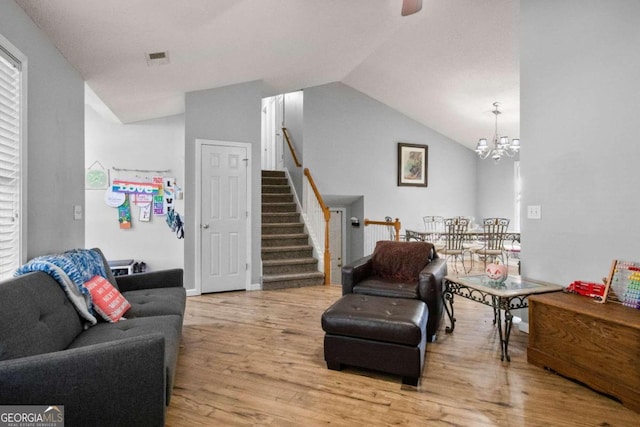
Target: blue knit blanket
71	270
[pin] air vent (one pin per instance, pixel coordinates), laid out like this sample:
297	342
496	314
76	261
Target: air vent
157	58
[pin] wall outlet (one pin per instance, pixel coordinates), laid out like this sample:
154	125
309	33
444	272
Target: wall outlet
533	212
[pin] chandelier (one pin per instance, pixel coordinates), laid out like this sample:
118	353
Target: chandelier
501	145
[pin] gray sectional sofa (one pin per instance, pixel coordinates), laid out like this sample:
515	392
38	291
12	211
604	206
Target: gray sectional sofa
111	374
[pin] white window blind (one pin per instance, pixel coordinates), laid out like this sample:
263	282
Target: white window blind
10	110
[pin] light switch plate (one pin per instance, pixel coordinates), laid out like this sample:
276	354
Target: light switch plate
77	212
533	212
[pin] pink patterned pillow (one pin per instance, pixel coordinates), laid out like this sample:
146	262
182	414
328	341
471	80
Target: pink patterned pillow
107	300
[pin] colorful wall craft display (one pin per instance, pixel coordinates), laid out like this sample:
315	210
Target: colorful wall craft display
153	196
623	283
124	214
130	187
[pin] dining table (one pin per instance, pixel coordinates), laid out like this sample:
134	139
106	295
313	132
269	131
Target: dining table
430	236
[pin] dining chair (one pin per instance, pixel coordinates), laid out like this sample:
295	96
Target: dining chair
455	232
434	227
494	231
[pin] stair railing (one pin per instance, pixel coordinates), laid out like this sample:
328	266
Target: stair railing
380	230
293	151
317	217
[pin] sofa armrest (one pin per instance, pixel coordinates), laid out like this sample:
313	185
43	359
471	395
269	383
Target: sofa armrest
431	280
354	273
115	383
170	278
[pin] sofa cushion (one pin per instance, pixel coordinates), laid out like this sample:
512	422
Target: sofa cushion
392	288
155	302
36	316
400	260
107	300
169	326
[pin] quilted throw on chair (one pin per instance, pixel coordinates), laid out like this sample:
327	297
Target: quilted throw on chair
71	270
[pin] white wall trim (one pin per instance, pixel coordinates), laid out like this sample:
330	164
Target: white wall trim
198	209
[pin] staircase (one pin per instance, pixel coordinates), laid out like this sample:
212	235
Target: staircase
287	256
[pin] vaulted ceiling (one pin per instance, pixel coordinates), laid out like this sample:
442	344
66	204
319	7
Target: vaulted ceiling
443	66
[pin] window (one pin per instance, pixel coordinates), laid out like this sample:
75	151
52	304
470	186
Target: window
10	168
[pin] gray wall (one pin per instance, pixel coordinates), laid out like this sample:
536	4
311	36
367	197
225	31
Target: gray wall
55	132
231	113
495	188
580	98
149	145
350	146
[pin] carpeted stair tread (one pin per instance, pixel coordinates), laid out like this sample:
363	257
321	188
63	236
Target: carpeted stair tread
292	277
289	261
283	236
287	248
287	256
276	174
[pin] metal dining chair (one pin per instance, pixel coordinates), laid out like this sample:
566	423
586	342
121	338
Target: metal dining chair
434	227
494	231
455	232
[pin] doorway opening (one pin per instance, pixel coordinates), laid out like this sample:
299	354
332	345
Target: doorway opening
272	152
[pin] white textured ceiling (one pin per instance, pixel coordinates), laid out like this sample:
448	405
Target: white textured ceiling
443	67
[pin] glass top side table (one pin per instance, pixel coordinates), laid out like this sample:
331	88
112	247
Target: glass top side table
501	296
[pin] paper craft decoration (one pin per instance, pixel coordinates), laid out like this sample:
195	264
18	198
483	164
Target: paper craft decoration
142	199
124	214
96	177
130	187
145	213
158	205
114	199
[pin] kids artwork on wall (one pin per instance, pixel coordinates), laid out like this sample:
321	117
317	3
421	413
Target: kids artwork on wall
153	196
96	177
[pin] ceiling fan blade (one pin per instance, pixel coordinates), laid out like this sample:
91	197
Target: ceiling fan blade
409	7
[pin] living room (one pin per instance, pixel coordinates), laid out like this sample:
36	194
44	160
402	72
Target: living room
578	107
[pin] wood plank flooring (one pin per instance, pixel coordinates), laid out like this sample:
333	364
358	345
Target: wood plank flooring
256	359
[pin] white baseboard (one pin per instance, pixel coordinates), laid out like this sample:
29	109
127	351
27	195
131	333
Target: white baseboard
254	287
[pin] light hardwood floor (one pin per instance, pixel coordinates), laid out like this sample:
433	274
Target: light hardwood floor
256	358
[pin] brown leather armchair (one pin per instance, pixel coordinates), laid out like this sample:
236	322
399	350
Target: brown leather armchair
401	270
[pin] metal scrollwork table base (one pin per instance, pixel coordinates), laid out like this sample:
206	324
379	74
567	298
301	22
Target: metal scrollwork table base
501	296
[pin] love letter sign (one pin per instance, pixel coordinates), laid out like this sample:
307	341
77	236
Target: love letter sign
136	187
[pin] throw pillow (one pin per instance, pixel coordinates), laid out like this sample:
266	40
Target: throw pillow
107	300
400	260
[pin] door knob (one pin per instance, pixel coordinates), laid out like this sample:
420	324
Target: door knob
205	226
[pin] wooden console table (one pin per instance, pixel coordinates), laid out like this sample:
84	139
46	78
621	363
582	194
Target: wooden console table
596	344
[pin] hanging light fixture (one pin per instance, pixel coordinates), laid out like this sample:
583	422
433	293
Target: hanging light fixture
501	145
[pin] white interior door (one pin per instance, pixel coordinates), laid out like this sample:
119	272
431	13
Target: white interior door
269	131
224	218
335	245
272	136
279	136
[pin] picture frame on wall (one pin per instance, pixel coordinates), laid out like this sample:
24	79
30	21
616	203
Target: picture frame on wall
413	161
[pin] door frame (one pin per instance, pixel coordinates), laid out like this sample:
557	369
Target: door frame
343	233
200	143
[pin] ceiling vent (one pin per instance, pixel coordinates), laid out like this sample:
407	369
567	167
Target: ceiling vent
157	58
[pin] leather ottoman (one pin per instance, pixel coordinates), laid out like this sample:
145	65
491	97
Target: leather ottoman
379	333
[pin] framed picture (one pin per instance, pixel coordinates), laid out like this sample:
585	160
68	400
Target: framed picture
413	160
